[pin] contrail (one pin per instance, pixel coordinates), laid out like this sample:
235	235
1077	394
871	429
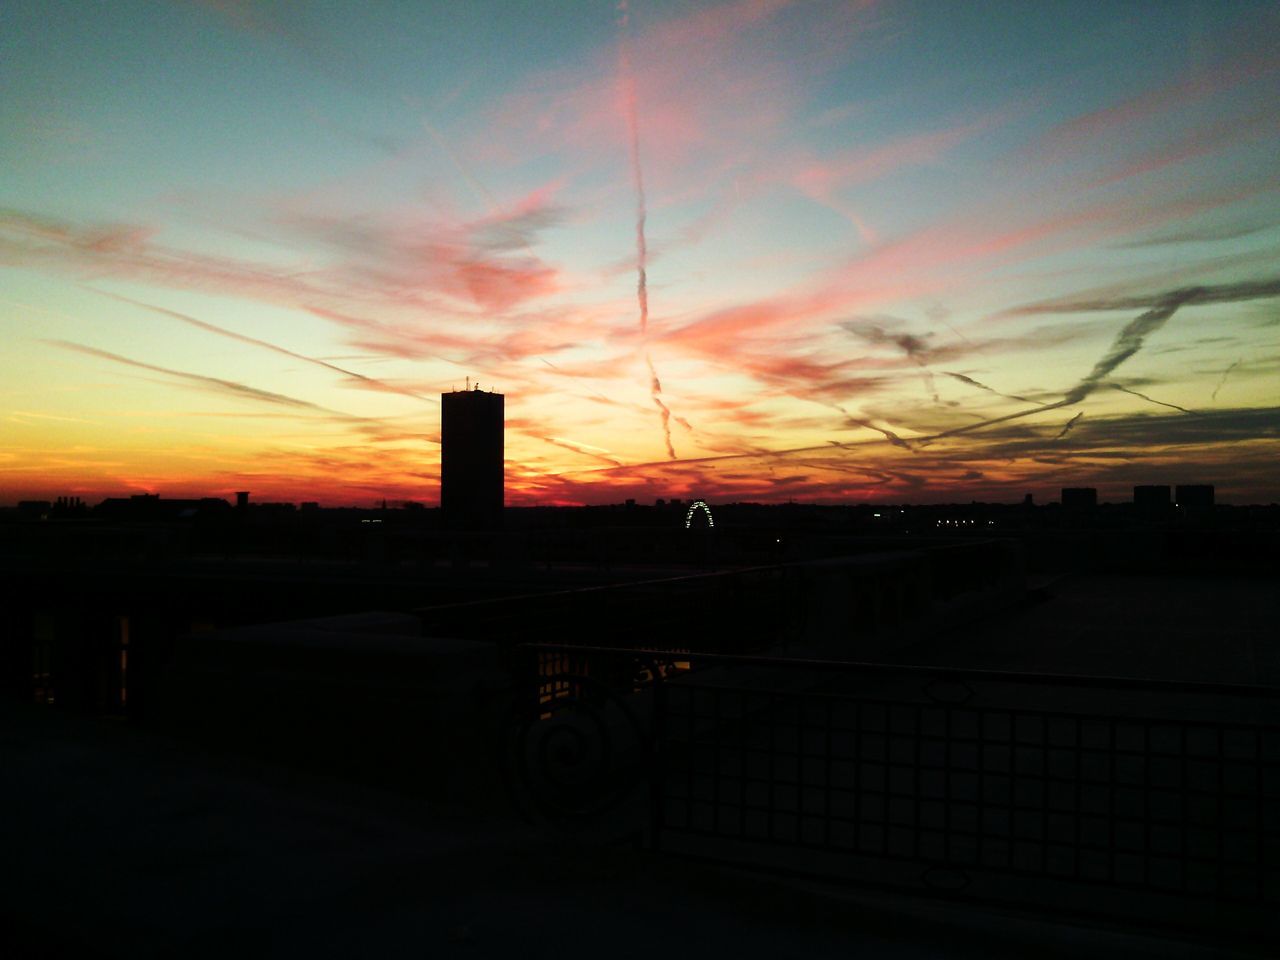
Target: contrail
1171	406
828	446
1130	340
1214	395
928	383
655	385
214	328
655	388
642	249
1069	424
582	448
914	347
1221	293
637	174
889	435
487	198
666	426
1127	342
982	386
216	383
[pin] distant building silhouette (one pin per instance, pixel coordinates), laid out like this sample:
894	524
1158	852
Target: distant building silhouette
1153	502
1079	498
471	465
150	506
1151	497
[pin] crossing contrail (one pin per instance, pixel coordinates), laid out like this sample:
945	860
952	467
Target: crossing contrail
1126	343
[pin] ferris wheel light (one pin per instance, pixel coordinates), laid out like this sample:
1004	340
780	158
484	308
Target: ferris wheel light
698	504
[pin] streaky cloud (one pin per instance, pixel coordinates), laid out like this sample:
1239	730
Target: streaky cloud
642	251
915	348
1185	296
982	386
889	435
216	384
372	382
655	388
1206	234
583	448
1143	396
1130	339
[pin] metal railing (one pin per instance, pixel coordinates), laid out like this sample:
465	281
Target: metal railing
1154	802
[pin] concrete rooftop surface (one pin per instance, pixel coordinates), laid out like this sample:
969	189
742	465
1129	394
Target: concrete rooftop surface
1197	628
119	842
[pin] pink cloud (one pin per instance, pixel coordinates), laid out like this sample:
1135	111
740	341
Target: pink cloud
485	264
821	177
1215	138
706	87
1251	58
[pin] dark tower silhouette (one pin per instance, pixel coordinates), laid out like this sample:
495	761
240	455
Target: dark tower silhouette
471	482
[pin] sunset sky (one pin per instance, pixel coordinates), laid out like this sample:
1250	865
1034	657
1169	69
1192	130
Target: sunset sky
751	250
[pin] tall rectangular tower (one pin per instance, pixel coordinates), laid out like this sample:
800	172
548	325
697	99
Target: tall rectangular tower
471	476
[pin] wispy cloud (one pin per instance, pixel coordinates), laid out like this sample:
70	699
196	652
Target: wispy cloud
1247	57
1128	341
360	378
586	449
215	384
1183	296
452	268
963	378
1207	233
